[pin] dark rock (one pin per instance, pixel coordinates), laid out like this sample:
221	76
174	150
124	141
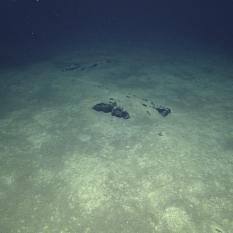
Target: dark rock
112	108
163	111
119	112
102	107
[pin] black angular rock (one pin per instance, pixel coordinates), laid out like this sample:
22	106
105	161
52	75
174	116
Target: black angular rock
163	111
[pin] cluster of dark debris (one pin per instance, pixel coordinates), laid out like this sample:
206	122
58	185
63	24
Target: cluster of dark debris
163	111
117	111
112	108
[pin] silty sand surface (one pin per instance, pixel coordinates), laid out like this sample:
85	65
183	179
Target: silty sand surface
68	168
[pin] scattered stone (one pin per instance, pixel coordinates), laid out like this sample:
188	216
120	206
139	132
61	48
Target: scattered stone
112	108
102	107
163	111
119	112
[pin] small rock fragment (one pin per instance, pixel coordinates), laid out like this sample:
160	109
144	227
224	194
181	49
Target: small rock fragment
163	111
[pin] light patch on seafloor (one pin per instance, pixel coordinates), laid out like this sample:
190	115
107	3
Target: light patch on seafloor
196	187
46	117
175	220
6	122
85	138
7	179
86	179
38	139
2	195
43	176
218	205
55	116
159	193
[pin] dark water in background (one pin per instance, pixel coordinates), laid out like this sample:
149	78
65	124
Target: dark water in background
31	29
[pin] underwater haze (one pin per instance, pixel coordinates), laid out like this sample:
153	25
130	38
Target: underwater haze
116	116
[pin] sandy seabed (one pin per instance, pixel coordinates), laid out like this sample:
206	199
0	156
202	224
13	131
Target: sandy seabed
67	168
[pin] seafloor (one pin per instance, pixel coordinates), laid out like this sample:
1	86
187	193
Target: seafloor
67	168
